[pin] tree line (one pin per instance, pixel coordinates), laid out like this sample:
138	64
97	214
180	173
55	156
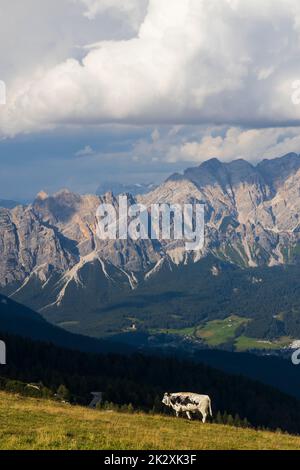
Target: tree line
139	381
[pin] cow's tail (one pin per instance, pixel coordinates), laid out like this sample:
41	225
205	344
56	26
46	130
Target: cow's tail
209	404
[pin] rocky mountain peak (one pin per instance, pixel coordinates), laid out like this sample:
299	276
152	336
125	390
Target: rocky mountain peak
252	218
41	196
275	171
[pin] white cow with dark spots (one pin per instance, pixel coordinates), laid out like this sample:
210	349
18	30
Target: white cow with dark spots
189	403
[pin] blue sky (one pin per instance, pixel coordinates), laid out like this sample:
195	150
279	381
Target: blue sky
77	161
107	90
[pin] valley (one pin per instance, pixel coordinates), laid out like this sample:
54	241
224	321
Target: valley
53	262
221	333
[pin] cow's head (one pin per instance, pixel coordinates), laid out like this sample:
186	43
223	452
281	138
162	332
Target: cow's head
167	399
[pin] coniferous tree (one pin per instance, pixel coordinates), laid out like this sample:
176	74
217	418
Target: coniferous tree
63	393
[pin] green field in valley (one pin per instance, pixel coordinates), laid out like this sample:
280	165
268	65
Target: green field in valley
218	332
215	333
243	343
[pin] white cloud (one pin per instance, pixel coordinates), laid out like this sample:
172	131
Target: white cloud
249	144
133	10
50	31
201	143
87	151
192	61
155	135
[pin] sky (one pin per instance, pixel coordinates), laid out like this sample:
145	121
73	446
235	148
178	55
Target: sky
107	90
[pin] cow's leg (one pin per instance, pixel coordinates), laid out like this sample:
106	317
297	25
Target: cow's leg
204	416
177	413
189	415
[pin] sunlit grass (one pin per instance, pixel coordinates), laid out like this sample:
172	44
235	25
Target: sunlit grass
27	423
243	343
218	332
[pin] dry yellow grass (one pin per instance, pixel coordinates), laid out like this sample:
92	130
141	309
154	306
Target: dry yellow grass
27	423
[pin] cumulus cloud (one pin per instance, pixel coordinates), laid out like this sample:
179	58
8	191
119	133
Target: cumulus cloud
133	10
87	151
252	144
227	62
49	32
199	143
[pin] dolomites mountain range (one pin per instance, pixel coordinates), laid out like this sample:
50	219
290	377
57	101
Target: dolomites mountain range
50	247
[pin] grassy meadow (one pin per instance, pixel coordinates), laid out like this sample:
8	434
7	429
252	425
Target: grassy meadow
28	423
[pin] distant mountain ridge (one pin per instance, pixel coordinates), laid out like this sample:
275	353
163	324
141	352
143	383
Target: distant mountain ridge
267	172
8	204
51	255
118	188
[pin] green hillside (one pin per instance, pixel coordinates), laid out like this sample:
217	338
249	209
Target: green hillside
27	423
185	299
18	319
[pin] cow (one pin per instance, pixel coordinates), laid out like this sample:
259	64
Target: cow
188	403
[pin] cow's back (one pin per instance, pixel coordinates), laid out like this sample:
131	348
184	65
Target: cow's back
189	400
